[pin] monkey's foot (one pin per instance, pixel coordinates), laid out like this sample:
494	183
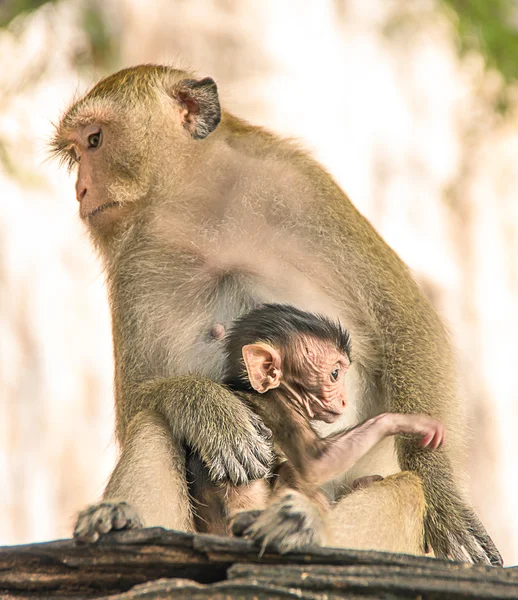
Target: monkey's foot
104	517
292	523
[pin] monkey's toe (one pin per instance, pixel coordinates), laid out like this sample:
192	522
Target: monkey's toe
101	518
292	523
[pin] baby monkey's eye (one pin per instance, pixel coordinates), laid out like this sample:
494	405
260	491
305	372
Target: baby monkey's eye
334	374
95	140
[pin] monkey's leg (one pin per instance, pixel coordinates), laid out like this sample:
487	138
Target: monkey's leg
150	476
253	496
215	505
244	504
387	515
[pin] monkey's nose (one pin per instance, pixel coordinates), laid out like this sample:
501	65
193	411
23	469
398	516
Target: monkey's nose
80	193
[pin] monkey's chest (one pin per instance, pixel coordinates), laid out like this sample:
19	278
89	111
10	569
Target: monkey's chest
197	298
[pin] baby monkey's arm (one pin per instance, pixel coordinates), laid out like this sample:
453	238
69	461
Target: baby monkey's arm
343	450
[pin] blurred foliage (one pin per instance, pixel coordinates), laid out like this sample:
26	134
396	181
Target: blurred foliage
103	51
104	46
9	9
490	27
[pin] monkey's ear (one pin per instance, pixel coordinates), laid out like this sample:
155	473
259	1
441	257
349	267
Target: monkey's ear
263	364
200	109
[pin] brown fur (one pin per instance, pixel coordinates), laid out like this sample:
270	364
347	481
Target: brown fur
201	230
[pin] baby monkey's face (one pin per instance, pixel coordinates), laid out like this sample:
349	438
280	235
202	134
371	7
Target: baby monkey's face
314	371
308	371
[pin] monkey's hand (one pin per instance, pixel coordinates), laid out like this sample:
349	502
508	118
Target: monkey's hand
104	517
291	523
452	529
237	450
231	440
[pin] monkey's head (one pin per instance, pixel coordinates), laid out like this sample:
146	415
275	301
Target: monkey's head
305	356
125	129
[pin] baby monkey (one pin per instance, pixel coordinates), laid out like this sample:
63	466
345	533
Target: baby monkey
289	366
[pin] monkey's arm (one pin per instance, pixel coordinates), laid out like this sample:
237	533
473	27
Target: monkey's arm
343	450
229	437
154	419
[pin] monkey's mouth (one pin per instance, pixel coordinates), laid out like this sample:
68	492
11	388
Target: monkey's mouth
102	208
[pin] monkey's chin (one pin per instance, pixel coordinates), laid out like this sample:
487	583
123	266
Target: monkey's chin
103	215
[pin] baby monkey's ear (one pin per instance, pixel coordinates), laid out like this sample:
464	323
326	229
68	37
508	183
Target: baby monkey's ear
263	364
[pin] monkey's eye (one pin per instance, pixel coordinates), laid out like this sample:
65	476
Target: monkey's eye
95	140
334	374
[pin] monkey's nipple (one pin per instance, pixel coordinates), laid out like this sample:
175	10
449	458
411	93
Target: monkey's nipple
217	332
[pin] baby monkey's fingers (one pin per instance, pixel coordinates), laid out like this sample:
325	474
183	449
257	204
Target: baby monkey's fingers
435	438
430	430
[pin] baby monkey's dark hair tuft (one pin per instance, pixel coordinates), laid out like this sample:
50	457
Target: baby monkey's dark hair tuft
278	325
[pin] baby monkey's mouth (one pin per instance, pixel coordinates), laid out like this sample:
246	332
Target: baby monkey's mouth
102	208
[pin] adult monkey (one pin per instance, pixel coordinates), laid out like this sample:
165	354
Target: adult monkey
197	221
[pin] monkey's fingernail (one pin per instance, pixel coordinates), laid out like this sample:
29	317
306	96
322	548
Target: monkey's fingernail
90	538
119	523
103	527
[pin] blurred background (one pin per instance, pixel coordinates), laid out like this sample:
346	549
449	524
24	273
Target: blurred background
412	105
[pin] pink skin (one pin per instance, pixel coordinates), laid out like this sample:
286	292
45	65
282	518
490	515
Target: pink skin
217	332
307	379
310	369
346	450
90	203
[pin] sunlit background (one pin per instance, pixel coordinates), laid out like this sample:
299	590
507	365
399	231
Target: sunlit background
411	105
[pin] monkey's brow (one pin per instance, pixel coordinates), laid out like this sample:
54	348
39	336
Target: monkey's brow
70	122
85	112
59	147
